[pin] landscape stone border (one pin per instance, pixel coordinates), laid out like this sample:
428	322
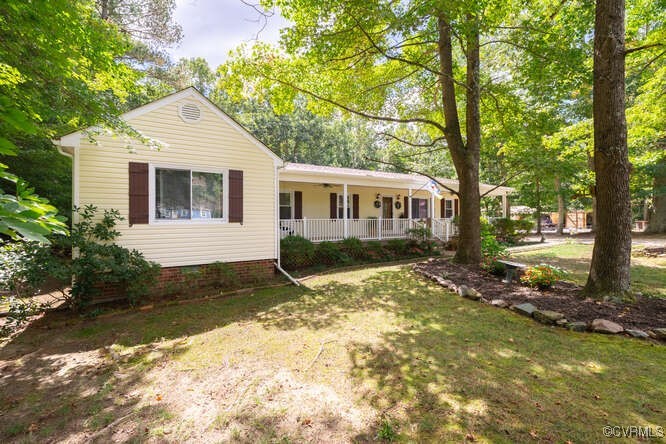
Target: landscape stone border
547	317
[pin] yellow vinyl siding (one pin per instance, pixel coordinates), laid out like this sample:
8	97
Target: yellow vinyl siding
210	143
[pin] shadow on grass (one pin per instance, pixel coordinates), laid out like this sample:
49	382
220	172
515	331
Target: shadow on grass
60	378
438	369
456	367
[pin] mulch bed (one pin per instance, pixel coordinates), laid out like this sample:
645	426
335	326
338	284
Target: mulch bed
564	297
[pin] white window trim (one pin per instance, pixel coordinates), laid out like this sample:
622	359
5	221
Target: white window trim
291	203
191	168
350	203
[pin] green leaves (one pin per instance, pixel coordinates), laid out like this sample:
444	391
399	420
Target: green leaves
26	215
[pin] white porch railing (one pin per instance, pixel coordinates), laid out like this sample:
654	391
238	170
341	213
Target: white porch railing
443	229
318	230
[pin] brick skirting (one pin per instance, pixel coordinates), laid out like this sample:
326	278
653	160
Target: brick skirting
188	280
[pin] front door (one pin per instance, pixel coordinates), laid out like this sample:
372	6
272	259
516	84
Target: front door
387	207
387	213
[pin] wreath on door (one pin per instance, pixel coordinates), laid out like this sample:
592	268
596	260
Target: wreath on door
378	204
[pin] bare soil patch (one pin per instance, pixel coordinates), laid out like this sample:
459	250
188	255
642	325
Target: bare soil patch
564	297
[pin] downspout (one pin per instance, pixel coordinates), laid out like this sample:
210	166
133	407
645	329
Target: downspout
277	227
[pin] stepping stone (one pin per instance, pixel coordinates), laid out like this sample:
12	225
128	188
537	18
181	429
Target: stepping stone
525	309
660	333
638	334
606	326
547	316
501	303
469	293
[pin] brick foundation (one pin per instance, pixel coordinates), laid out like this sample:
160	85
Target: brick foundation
188	280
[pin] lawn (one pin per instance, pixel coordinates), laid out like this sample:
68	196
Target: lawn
648	274
366	355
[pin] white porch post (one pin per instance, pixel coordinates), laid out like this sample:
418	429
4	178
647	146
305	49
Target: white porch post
506	206
344	210
409	206
432	205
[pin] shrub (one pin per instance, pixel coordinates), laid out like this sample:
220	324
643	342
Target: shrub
511	231
376	251
354	248
542	276
296	252
397	246
330	254
100	261
225	275
419	233
24	268
491	249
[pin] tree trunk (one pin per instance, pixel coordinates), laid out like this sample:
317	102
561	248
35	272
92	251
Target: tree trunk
561	207
465	155
538	207
657	221
609	271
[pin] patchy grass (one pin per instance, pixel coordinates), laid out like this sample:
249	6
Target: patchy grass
648	274
365	355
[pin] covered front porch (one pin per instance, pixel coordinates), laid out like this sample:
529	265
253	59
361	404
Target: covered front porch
331	204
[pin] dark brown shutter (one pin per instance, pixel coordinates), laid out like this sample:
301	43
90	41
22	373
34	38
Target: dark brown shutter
235	196
333	205
298	205
355	206
442	208
405	207
138	193
456	209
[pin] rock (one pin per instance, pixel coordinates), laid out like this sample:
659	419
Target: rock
501	303
652	334
525	309
561	322
469	293
660	333
577	326
606	326
637	334
547	316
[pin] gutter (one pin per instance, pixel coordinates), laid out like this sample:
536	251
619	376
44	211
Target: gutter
277	226
294	281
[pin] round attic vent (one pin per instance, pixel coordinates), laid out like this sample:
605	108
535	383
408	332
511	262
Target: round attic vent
189	112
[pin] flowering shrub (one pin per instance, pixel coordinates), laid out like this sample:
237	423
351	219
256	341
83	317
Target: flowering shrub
542	276
491	250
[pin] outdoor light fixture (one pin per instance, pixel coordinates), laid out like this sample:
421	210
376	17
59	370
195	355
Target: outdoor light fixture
377	196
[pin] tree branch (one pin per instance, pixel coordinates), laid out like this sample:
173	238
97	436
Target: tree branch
433	123
409	170
640	48
407	142
502	183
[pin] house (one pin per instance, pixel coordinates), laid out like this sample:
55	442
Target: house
214	193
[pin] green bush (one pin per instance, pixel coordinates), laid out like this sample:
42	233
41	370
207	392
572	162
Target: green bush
354	248
296	252
24	269
397	246
419	233
376	251
329	253
100	261
511	231
491	249
542	276
225	276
